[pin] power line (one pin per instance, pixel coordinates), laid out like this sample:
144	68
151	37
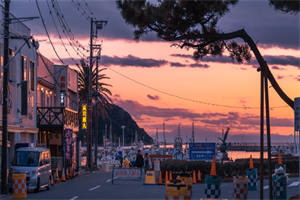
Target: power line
185	98
59	35
44	25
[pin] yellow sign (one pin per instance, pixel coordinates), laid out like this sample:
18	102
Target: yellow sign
150	177
84	115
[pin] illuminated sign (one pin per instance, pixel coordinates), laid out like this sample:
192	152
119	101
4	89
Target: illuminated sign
84	115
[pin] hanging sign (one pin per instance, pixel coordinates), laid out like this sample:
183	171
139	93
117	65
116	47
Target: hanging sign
84	115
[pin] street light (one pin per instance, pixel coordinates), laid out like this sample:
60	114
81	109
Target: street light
123	127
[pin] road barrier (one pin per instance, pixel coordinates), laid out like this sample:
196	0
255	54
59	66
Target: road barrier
127	174
252	179
240	189
19	186
279	183
176	189
150	178
213	182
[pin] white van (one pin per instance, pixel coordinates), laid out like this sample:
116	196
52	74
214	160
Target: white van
35	162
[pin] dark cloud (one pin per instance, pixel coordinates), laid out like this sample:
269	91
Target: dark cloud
199	65
274	60
177	64
276	28
280	77
137	110
283	60
155	97
131	61
277	68
231	119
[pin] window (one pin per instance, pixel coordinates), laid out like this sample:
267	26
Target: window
32	75
24	98
42	99
27	158
23	69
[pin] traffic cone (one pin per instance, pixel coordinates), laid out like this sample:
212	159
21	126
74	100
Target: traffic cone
199	176
170	175
251	162
71	172
51	179
279	159
56	177
63	177
213	171
194	177
159	178
166	177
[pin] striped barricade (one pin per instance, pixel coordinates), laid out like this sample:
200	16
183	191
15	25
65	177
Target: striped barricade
252	179
127	174
19	186
213	187
279	186
240	189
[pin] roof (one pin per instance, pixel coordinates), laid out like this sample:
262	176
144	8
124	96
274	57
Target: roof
39	149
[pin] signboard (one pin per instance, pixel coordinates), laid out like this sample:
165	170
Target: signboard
68	144
297	114
202	151
156	159
84	115
127	174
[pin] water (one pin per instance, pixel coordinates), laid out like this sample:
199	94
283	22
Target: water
245	155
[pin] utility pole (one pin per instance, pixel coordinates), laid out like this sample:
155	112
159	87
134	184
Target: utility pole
93	34
4	106
261	186
268	138
97	116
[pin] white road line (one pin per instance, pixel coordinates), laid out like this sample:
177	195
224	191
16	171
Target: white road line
73	198
109	180
296	183
94	188
266	187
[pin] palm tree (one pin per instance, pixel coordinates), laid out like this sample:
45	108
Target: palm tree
102	95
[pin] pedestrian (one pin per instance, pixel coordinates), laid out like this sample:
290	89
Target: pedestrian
139	162
147	162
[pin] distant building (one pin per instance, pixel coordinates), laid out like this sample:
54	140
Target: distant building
57	111
21	88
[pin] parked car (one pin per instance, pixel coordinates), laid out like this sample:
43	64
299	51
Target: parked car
35	162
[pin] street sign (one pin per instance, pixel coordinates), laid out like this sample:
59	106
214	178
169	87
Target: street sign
202	151
84	115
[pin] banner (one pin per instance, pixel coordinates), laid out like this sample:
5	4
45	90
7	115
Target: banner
68	144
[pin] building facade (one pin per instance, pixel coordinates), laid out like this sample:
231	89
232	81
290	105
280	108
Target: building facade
57	111
22	92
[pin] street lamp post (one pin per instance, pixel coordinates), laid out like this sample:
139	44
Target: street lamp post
123	127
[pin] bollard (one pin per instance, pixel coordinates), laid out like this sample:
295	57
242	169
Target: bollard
213	187
252	179
279	183
199	176
19	186
240	190
159	178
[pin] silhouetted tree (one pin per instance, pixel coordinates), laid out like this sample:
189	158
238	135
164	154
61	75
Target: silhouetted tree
192	24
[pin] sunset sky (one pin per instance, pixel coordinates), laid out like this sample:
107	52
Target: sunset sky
155	82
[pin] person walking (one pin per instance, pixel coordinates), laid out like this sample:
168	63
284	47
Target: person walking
147	162
139	162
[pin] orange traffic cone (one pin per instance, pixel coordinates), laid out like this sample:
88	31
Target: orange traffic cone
170	175
63	177
71	172
51	179
279	159
194	177
251	162
166	177
159	178
199	176
213	171
56	177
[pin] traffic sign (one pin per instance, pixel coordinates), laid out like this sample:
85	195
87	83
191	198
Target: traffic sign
202	151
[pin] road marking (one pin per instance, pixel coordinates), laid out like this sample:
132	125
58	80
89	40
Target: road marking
296	183
94	188
73	198
266	187
109	180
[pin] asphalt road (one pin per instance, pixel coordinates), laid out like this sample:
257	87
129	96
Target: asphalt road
98	185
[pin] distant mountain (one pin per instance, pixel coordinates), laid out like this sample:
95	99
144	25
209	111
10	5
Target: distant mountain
118	117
